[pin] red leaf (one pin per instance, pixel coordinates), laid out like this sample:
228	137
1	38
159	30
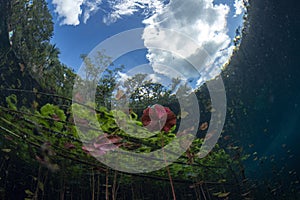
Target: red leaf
69	145
55	117
114	139
158	117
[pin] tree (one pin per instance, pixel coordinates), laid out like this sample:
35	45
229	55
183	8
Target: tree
32	27
28	60
99	71
142	92
4	32
26	30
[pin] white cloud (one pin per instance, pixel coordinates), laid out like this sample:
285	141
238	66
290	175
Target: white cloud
91	8
129	7
71	10
239	7
123	77
201	21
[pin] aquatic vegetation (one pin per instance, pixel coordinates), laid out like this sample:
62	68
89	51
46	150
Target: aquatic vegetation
103	143
157	118
47	137
45	141
204	126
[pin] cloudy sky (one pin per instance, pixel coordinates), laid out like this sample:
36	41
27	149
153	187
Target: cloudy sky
80	25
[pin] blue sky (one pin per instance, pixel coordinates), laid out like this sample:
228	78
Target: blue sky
107	18
81	39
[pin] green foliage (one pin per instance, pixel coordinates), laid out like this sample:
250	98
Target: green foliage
56	114
28	59
34	21
12	102
53	118
145	92
50	124
51	110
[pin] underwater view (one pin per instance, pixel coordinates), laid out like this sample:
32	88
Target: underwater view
149	99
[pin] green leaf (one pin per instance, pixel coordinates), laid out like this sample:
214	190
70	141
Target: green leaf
28	192
222	181
12	101
133	116
224	194
6	150
41	186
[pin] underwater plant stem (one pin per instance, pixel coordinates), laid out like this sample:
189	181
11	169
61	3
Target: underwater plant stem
118	186
208	194
45	180
106	185
114	195
203	193
93	185
35	197
198	196
98	187
2	164
132	191
171	182
62	193
168	170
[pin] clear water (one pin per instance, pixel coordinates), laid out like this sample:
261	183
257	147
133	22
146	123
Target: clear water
257	152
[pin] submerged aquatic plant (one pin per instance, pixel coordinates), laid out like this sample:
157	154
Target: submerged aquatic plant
102	144
158	118
46	152
51	136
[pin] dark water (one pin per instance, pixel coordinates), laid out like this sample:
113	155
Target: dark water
267	70
265	76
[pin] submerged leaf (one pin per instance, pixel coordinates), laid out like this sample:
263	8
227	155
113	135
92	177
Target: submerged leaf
28	192
41	186
6	150
102	144
216	193
224	194
8	137
158	118
69	145
184	114
203	126
246	194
